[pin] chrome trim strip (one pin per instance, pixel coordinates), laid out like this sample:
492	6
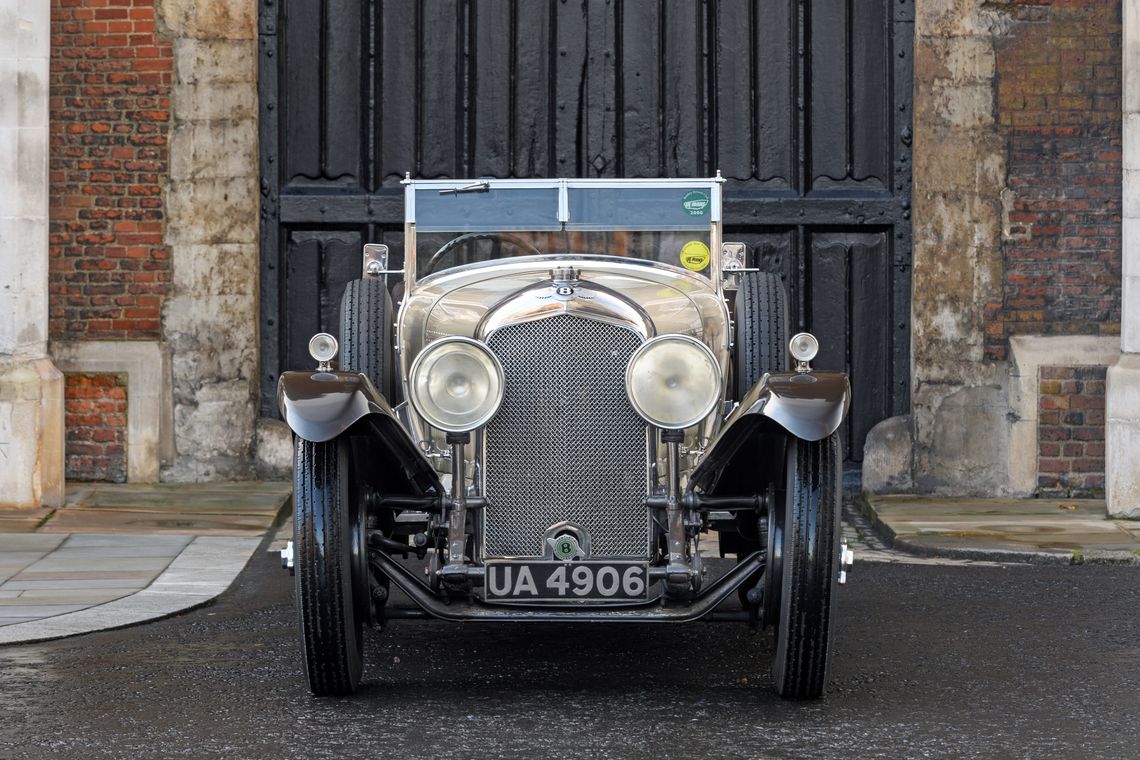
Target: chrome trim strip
576	182
588	301
563	202
523	263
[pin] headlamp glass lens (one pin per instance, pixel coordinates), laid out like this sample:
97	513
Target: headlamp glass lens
323	347
673	381
803	347
456	384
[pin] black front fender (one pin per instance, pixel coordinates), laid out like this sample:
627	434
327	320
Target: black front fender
319	406
807	405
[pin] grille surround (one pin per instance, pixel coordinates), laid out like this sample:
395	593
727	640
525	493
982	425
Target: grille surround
566	445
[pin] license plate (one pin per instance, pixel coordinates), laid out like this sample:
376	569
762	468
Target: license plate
521	581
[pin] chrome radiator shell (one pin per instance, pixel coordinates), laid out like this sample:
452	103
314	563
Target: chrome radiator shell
566	445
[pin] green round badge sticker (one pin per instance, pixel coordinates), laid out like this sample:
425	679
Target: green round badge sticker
695	256
695	202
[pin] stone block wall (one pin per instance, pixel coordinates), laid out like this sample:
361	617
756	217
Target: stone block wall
1017	231
210	322
1070	437
154	213
96	422
1058	103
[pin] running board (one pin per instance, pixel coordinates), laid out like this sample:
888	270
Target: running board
650	612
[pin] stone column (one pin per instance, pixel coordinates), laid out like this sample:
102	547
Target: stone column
31	388
1122	434
212	203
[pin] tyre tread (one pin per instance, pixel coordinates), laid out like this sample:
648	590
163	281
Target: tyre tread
322	607
761	328
366	347
803	671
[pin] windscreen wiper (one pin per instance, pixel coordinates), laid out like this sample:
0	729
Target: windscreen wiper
476	187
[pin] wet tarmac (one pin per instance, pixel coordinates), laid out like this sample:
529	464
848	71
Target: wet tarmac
930	661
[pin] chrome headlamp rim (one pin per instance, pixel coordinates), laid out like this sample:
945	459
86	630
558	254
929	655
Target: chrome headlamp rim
426	354
716	387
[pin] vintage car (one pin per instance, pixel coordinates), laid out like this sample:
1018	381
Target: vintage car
568	384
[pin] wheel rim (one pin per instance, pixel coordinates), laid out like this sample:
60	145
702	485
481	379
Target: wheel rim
774	565
787	559
358	559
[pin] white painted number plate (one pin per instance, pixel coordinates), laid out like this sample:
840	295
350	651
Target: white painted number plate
570	581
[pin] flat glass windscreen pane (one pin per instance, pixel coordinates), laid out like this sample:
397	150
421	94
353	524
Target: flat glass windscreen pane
635	208
488	211
437	251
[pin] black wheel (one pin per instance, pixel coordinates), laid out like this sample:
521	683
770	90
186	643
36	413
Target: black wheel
809	567
761	329
330	563
366	333
761	345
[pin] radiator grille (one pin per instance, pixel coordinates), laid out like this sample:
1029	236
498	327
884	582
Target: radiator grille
565	444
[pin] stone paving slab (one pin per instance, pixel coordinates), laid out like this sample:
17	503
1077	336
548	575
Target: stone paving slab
10	559
42	610
23	520
88	596
99	541
53	563
119	552
204	569
979	507
227	499
23	542
72	583
116	555
868	546
93	574
218	509
199	524
1035	530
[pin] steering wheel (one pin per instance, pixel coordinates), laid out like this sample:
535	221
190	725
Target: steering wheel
451	245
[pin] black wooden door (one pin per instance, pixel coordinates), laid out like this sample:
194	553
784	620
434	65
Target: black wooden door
804	105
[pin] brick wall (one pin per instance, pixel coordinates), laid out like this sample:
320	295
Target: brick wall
111	76
1070	431
96	420
1058	104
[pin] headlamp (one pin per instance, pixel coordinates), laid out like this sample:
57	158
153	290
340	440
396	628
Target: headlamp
673	381
323	347
456	384
803	347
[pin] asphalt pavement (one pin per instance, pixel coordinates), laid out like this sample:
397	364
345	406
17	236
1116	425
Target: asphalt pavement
932	660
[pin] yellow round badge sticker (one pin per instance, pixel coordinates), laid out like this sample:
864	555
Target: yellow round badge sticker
694	255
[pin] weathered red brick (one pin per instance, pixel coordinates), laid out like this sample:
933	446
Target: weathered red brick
1059	84
107	164
1070	453
96	422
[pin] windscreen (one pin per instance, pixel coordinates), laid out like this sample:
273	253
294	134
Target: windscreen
479	221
